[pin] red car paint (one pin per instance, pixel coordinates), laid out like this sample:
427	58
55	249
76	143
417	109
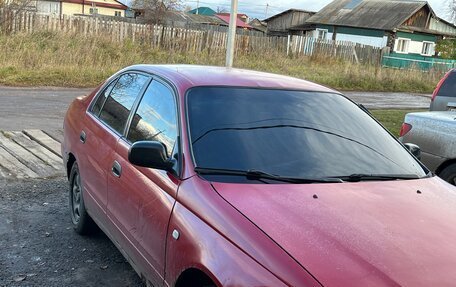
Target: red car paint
396	233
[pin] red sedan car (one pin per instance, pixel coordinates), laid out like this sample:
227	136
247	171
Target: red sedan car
206	176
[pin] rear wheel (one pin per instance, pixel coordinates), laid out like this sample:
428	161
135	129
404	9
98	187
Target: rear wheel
82	223
449	174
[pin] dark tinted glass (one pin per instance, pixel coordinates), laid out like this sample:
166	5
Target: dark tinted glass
117	107
290	133
448	88
101	98
155	119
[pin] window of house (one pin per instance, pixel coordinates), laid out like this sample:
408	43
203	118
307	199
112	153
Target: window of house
117	13
402	45
118	104
156	117
428	48
322	34
352	4
93	10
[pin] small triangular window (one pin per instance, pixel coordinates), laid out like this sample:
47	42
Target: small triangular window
352	4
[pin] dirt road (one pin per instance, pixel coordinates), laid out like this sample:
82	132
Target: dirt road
44	108
38	246
35	108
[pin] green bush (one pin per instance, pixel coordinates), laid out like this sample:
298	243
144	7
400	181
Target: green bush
447	48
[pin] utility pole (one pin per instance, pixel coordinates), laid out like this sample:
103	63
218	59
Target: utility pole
231	34
197	6
266	12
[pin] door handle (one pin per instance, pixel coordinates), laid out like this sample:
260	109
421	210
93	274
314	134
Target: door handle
116	169
82	136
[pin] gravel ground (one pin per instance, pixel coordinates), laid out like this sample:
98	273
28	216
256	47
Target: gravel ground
38	246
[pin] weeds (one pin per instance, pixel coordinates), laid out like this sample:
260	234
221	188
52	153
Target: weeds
59	59
392	119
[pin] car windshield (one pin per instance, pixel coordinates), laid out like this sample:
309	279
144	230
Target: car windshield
293	134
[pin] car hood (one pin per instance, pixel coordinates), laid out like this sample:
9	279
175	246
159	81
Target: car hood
387	233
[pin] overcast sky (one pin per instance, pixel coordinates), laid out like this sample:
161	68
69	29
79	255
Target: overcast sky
257	8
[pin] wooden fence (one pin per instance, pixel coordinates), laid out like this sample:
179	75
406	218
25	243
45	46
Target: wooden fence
186	40
309	46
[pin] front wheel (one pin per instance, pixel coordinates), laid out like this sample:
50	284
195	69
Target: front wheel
82	223
449	174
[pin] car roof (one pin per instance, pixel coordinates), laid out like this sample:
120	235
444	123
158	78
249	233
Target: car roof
187	76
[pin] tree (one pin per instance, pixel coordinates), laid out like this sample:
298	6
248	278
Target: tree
187	8
221	9
447	48
154	11
14	7
17	5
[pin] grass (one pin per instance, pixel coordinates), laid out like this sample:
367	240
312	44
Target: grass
58	59
392	119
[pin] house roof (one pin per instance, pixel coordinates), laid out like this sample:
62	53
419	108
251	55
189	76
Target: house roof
286	12
239	23
240	15
371	14
423	30
177	16
202	11
258	25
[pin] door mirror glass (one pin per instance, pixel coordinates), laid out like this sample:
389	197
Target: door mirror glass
414	149
151	154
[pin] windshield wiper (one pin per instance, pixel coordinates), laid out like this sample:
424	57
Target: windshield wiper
258	174
364	177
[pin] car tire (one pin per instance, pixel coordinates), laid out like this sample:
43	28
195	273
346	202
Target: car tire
449	174
82	223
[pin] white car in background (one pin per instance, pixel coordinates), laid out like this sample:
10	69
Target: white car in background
435	134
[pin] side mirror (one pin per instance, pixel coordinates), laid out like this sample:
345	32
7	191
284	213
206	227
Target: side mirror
414	149
150	154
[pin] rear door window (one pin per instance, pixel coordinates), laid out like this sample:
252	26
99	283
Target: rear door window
96	108
448	88
118	104
156	117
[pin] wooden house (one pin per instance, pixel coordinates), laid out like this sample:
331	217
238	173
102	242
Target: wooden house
289	22
407	27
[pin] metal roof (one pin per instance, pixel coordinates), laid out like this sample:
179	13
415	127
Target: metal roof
239	23
371	14
202	11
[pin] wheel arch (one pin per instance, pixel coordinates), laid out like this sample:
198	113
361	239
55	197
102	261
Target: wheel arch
69	164
196	276
444	165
